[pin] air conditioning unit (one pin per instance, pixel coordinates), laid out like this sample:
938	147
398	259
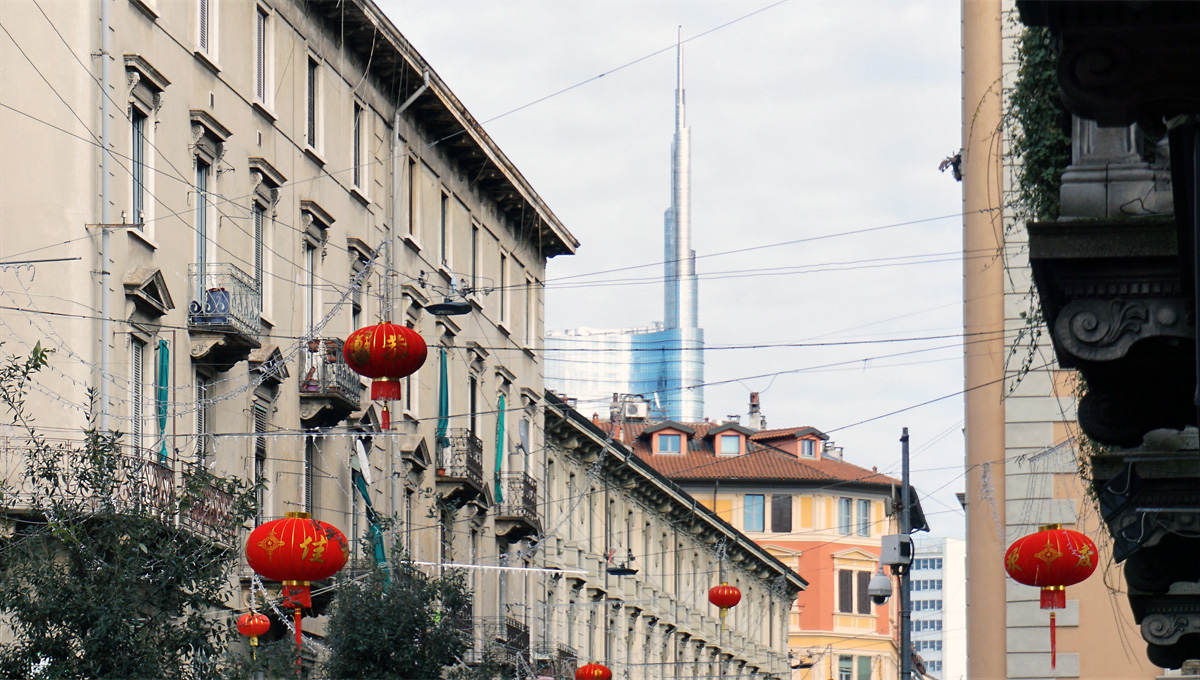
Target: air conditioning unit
638	410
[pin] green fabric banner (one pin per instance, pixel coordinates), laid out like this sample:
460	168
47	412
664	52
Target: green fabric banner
372	520
500	413
162	395
443	421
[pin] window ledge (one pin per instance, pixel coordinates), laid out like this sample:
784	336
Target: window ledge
360	195
412	242
266	320
314	156
146	240
146	8
203	58
265	112
503	327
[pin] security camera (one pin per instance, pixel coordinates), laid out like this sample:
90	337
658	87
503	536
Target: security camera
879	588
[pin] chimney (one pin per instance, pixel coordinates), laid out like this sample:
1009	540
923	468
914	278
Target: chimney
756	419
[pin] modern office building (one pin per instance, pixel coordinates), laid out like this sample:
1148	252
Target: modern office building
664	363
939	606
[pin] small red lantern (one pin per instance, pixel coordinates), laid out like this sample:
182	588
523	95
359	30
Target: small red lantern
724	596
1051	559
252	625
296	550
386	353
593	671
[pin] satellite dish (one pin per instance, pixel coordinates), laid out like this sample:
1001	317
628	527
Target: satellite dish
448	307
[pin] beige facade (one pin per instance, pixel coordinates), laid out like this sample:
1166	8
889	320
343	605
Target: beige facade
281	174
1022	468
608	509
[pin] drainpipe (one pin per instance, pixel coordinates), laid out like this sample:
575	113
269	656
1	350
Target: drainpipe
105	238
399	152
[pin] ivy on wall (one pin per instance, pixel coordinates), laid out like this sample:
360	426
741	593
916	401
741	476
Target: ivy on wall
1040	128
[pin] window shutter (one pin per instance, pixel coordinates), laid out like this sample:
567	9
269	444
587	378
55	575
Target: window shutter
864	668
864	600
138	393
204	25
358	153
845	591
312	103
260	56
781	513
201	417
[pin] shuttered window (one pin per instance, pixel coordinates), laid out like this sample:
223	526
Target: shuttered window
137	166
203	388
312	102
260	218
845	591
205	18
260	458
309	453
137	392
357	145
781	513
864	668
864	600
260	55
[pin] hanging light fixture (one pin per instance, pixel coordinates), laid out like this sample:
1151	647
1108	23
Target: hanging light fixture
253	625
593	671
724	596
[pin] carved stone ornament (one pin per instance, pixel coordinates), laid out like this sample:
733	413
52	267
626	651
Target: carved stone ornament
1165	628
1104	330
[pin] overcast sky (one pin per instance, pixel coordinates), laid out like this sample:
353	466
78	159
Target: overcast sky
808	119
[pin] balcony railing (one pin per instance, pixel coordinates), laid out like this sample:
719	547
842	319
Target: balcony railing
223	299
324	373
516	633
141	478
462	457
520	497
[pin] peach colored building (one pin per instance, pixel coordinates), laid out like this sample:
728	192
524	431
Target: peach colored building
790	491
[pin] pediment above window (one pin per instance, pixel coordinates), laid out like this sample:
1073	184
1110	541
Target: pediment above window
147	288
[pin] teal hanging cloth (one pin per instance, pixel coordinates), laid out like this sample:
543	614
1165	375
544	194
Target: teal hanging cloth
443	421
162	394
500	448
375	531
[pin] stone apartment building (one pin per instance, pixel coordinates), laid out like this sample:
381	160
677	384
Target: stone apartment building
277	175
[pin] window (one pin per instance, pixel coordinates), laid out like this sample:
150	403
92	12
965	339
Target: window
260	234
474	256
845	510
864	668
260	460
137	168
852	591
444	237
531	310
731	444
412	197
207	27
845	668
808	448
261	52
410	386
474	398
754	509
310	452
202	216
864	517
503	288
203	404
781	513
137	392
669	443
310	289
312	109
357	146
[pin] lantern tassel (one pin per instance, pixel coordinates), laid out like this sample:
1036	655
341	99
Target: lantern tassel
299	657
1053	643
385	418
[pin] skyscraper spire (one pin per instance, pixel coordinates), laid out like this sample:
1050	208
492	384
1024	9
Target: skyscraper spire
680	303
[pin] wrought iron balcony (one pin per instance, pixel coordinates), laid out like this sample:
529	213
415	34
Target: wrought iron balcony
517	514
141	479
516	633
324	375
460	463
223	299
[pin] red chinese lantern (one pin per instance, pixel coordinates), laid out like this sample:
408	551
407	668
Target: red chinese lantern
593	671
252	625
724	596
386	353
296	550
1051	559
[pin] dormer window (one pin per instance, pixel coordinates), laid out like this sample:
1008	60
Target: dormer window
730	444
808	448
669	443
